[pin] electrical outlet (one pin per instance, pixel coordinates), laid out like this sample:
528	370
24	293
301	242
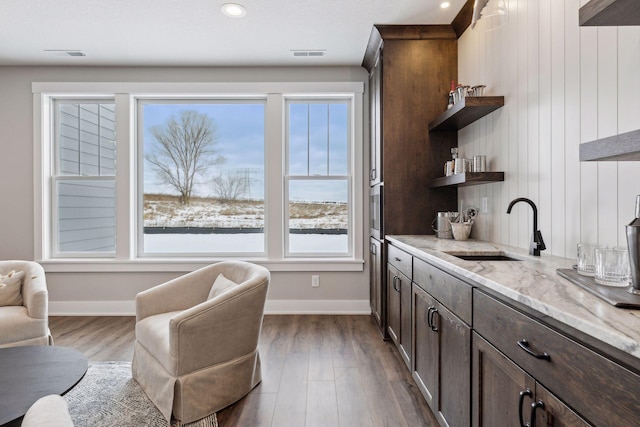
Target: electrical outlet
485	205
315	281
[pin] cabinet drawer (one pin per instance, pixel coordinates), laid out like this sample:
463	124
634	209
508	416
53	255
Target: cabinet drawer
597	388
453	293
400	260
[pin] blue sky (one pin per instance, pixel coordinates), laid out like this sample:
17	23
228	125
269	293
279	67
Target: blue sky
240	139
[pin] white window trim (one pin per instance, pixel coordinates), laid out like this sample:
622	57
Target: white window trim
125	94
139	202
54	163
314	98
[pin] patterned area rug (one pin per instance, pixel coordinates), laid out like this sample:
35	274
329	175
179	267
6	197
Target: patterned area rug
107	396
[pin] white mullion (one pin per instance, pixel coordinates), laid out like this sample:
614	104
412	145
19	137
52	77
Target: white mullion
275	186
124	194
42	172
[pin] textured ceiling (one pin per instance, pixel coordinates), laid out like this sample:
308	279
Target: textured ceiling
196	33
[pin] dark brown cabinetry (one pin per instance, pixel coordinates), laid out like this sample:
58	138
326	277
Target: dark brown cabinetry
442	343
593	386
375	284
375	109
399	273
505	395
425	345
410	68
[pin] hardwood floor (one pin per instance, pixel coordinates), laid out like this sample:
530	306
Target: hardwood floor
317	371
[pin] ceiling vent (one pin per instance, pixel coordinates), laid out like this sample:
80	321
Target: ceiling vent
65	52
309	52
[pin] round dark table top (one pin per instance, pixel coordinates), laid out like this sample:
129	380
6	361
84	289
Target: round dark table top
31	372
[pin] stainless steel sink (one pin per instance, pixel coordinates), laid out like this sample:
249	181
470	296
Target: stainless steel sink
484	257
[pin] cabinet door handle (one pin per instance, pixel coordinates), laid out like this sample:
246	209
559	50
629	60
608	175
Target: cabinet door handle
434	328
397	259
372	174
523	393
534	408
428	317
373	249
395	287
524	344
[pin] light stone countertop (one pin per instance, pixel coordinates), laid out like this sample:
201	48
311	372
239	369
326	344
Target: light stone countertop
533	282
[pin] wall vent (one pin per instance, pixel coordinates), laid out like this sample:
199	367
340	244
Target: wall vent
309	52
64	52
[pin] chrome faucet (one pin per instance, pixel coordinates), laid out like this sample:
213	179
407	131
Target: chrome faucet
537	244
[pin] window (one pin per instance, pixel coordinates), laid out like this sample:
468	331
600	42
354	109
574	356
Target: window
201	177
318	177
190	173
84	178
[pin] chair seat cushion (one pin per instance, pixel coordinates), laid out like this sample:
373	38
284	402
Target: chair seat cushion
153	334
16	325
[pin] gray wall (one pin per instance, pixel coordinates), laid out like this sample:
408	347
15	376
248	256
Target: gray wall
17	195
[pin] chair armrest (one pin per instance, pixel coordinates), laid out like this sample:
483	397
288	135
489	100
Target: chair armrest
180	293
35	295
219	329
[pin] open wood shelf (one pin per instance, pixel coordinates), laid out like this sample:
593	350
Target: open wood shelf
467	178
610	13
621	147
465	112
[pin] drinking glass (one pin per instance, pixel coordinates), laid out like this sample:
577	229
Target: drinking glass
586	262
612	266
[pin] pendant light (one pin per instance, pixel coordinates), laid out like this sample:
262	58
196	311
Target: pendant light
489	15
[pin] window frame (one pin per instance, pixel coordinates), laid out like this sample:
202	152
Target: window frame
139	180
288	177
125	93
57	177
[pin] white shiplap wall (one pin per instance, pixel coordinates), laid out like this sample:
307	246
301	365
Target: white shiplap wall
563	85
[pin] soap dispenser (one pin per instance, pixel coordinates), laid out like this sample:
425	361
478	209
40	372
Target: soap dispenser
633	243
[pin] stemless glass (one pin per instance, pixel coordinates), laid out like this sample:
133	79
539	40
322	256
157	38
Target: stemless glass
612	266
586	262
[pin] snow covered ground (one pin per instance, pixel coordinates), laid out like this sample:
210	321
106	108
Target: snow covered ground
165	211
211	213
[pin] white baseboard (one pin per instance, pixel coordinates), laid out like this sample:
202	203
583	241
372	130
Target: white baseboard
92	308
127	308
285	306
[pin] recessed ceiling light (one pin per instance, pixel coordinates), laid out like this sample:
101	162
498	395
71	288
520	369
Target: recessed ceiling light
445	4
234	10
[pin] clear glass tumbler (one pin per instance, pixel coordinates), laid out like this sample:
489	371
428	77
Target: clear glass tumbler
612	266
586	261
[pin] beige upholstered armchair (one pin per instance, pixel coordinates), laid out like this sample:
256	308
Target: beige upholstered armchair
23	304
196	348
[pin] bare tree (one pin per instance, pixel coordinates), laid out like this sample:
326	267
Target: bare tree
186	149
230	186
